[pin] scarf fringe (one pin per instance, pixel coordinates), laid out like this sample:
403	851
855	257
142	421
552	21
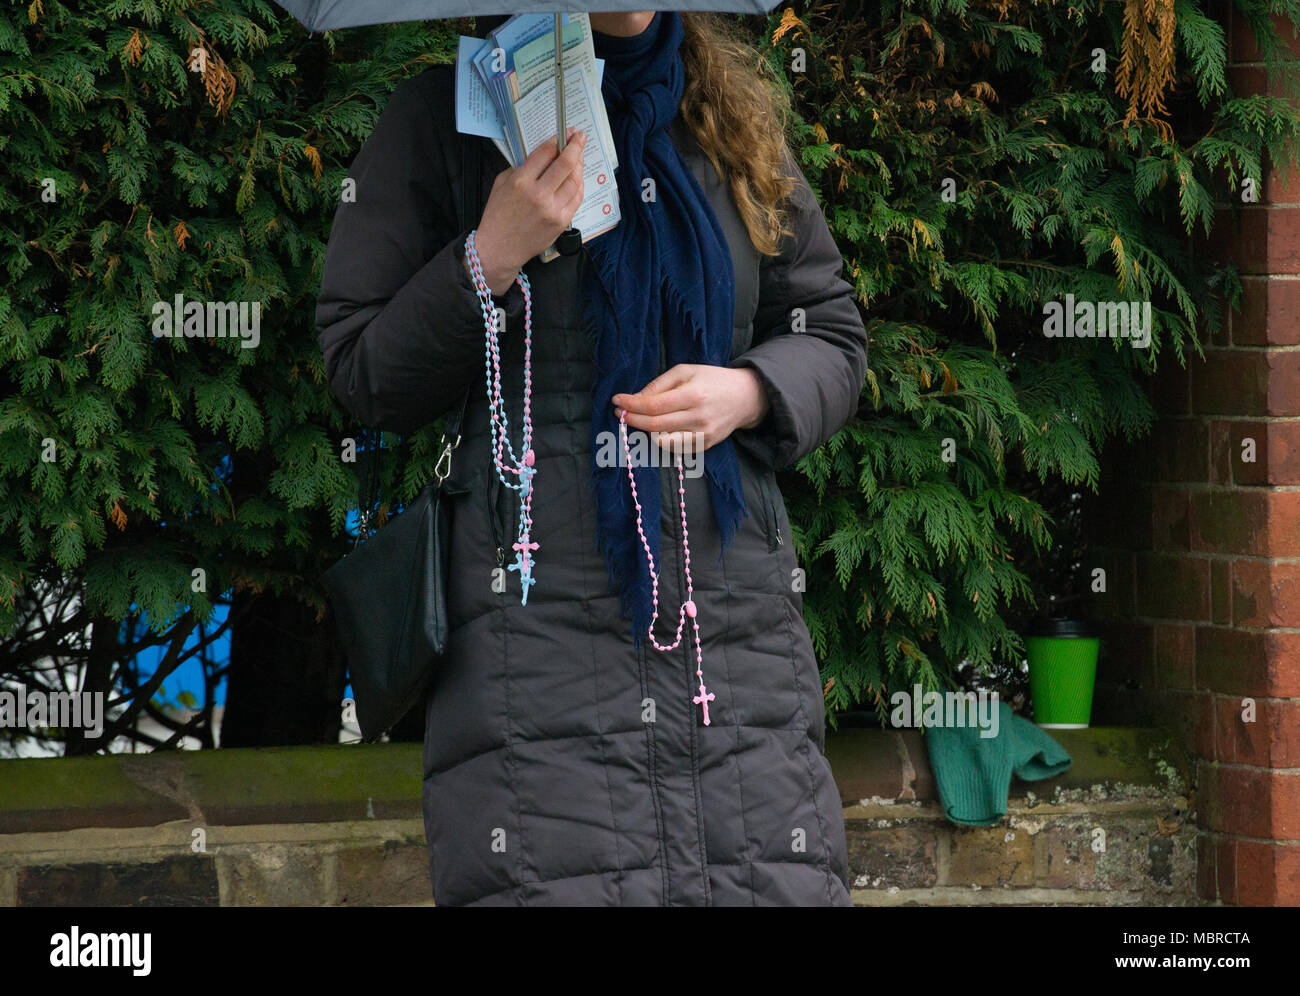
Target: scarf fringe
677	301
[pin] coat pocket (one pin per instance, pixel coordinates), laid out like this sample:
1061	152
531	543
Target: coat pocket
770	502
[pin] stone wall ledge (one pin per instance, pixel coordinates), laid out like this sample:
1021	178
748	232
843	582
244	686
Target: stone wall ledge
256	785
357	782
341	825
1018	811
873	766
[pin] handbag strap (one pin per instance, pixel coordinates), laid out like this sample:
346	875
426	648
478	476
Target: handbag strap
471	192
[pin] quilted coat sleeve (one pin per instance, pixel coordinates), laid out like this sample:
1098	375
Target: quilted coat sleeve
812	369
398	320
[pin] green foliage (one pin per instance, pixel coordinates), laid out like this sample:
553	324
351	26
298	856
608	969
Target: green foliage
128	460
916	564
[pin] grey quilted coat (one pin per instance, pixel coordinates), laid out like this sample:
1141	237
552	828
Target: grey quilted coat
562	765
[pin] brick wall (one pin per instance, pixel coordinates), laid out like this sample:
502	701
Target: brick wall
1115	830
1202	549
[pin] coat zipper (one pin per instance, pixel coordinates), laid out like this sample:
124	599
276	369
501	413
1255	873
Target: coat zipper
494	513
771	519
696	721
776	517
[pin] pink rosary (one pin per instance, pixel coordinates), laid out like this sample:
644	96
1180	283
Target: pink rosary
688	607
523	468
520	466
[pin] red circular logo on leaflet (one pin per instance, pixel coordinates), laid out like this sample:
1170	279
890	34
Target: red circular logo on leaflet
607	208
600	178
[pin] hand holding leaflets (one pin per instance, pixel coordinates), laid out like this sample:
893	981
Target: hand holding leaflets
506	91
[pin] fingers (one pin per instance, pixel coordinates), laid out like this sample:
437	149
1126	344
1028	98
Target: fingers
565	166
671	378
677	434
543	156
685	442
678	399
684	421
569	196
663	394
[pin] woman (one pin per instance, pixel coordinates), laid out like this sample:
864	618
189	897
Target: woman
568	760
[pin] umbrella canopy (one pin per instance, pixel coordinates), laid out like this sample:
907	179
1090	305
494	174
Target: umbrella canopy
326	15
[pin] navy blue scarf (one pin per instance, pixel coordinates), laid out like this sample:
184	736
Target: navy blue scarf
666	260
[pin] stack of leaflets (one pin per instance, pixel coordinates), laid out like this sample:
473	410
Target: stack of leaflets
505	91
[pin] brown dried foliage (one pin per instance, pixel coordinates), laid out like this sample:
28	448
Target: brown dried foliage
1146	65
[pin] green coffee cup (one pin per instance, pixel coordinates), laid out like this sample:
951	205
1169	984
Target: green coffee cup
1062	672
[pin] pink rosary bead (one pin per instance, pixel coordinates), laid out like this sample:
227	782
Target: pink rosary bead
688	607
521	467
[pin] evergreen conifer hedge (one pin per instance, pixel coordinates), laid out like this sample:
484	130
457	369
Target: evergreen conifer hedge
976	160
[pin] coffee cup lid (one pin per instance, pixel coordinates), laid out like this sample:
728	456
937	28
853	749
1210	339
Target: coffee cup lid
1063	628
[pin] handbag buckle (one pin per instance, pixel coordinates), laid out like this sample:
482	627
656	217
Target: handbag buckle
443	468
363	528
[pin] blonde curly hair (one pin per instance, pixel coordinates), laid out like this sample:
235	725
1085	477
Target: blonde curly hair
740	115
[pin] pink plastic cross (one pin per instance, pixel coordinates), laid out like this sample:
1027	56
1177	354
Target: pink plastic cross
523	549
702	700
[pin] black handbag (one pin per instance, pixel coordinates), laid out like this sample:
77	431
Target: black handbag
389	593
